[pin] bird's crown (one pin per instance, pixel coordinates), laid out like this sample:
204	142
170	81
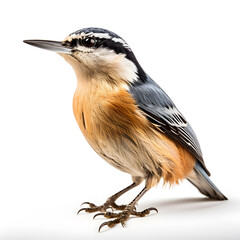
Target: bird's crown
88	39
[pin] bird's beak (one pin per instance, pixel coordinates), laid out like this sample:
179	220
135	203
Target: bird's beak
55	46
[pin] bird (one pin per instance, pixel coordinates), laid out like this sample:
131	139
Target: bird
128	120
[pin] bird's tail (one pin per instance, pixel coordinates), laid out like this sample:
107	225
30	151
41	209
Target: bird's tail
199	178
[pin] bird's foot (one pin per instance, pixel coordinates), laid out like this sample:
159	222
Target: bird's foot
123	216
110	203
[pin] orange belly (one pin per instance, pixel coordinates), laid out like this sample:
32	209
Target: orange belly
120	133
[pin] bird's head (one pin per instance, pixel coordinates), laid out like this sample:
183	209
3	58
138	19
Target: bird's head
96	52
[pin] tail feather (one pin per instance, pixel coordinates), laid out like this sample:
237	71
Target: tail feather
202	182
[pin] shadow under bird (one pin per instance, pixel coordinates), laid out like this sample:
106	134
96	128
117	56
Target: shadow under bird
129	120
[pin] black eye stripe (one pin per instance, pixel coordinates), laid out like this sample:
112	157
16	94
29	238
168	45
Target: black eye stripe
87	42
96	42
73	43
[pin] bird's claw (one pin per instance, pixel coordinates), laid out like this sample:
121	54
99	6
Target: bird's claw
153	209
144	212
103	224
93	208
123	216
119	217
98	214
110	203
89	203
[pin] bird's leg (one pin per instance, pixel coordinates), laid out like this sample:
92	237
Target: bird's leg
123	216
110	203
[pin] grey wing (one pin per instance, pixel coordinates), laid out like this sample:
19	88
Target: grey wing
162	112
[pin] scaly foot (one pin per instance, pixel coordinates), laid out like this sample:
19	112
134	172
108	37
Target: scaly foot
123	216
110	203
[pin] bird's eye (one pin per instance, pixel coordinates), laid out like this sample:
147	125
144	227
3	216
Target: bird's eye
89	42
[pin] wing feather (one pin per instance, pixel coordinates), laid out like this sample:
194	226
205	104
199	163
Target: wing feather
162	112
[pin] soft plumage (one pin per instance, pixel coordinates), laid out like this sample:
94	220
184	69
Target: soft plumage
128	119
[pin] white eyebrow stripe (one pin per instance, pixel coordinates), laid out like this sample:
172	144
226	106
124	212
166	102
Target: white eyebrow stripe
120	40
99	35
91	34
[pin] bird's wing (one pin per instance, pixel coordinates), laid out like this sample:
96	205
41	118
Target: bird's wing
162	112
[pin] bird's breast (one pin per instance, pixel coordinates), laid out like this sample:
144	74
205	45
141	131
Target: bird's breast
120	133
108	118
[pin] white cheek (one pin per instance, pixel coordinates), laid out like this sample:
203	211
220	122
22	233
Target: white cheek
108	62
128	70
84	49
124	68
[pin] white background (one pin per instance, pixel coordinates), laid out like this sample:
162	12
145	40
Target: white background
191	48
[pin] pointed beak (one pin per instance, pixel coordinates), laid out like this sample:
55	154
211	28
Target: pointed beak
55	46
